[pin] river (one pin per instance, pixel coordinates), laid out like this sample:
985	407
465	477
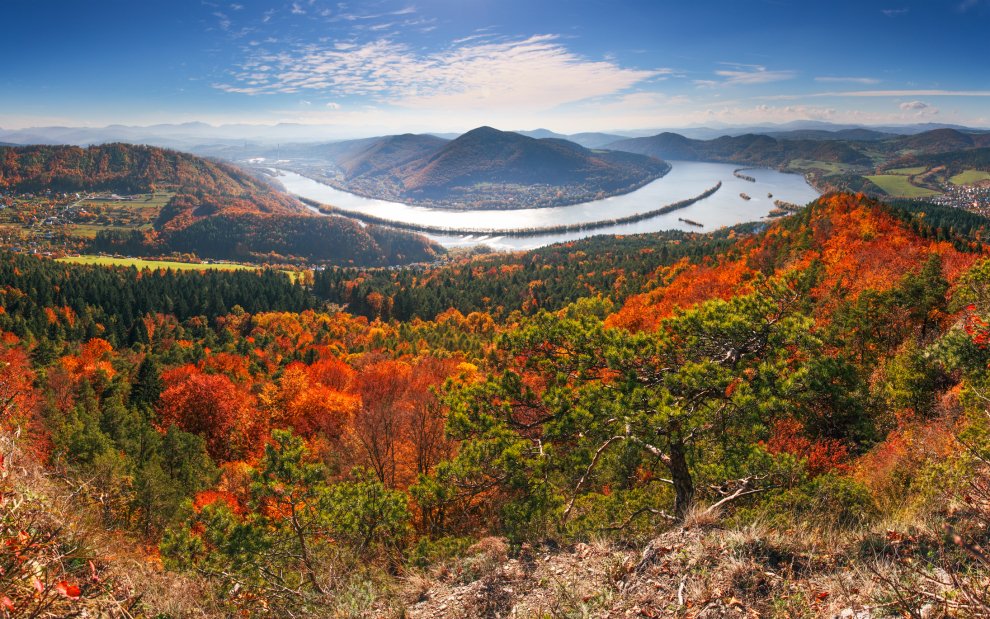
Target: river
686	179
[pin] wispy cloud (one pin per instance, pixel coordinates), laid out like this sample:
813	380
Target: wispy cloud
738	74
883	93
222	20
895	12
534	73
847	80
967	5
911	93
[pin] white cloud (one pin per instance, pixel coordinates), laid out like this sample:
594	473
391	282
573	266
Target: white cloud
918	108
895	12
533	73
847	80
333	105
749	74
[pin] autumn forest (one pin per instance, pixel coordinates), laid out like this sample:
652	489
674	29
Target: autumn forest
785	419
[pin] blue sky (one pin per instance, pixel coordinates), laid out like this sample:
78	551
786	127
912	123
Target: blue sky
449	65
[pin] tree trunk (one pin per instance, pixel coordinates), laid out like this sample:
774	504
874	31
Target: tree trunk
681	476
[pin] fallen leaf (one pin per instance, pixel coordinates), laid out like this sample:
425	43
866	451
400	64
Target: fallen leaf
69	591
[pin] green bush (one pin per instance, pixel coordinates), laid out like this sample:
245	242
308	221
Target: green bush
828	500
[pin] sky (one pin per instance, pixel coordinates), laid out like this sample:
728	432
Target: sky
450	65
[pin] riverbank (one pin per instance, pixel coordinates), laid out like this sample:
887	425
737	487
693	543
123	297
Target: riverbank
447	206
517	232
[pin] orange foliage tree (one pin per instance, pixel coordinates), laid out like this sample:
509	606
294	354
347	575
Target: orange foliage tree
212	406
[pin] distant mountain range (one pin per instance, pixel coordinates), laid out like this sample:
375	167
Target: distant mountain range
483	168
863	149
587	139
200	137
490	169
795	129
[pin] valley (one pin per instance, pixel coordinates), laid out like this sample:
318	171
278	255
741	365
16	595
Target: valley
496	309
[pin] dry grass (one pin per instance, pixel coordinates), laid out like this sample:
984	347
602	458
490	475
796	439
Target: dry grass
706	569
57	544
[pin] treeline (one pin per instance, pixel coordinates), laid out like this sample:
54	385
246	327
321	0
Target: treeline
746	177
330	239
57	302
978	158
962	228
275	239
548	277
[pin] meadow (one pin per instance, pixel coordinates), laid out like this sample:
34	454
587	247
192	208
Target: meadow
141	263
899	185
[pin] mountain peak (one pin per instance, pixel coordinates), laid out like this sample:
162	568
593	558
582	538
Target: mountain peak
486	130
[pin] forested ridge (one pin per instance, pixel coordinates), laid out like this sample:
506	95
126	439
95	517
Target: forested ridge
781	420
217	210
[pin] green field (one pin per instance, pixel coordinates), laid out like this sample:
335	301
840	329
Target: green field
896	185
908	171
89	231
141	263
829	167
968	177
142	200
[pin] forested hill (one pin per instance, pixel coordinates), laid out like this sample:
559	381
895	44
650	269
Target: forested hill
216	210
487	155
127	168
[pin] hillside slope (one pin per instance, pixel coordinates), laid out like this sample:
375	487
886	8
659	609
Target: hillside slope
255	220
752	149
377	156
785	420
856	243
